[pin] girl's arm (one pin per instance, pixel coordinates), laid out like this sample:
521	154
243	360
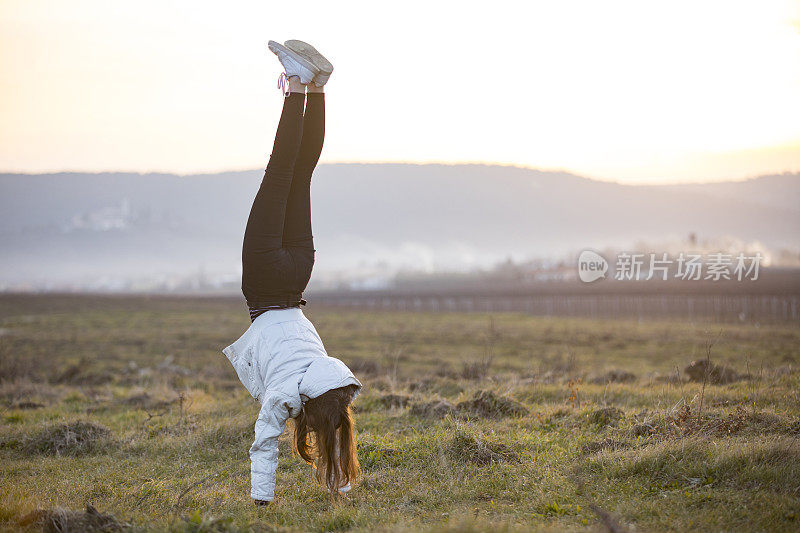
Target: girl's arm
264	450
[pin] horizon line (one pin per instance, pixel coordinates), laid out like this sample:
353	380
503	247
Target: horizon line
555	170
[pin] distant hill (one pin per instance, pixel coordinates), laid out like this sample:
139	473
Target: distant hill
112	229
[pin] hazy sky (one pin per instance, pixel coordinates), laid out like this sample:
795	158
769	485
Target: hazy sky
638	91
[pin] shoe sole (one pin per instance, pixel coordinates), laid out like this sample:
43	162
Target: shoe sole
295	55
305	49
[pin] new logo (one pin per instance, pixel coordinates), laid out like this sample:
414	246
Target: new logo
591	266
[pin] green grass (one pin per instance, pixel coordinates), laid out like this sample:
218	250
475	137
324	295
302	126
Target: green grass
536	436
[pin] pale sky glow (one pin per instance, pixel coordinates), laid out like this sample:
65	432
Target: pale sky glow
636	91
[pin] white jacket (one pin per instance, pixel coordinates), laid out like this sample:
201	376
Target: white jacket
282	363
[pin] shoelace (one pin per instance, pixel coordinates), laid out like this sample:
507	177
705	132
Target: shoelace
283	84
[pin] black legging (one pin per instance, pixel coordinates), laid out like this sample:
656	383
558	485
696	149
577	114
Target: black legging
278	249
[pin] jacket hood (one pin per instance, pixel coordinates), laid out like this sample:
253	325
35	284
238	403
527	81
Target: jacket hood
324	374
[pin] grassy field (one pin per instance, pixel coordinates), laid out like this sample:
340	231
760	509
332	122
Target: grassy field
467	422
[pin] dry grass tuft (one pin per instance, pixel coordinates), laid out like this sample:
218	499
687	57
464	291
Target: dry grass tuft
606	416
489	405
75	438
394	401
437	409
704	370
614	376
66	520
643	430
137	400
22	394
27	405
685	421
146	402
84	373
476	370
603	445
465	447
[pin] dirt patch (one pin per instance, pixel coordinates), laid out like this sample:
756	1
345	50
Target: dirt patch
606	416
489	405
716	374
437	409
75	438
65	520
467	448
603	445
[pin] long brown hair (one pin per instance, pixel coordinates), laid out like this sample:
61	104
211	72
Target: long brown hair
323	421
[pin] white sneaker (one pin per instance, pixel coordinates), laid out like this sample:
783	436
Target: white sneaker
294	64
310	53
